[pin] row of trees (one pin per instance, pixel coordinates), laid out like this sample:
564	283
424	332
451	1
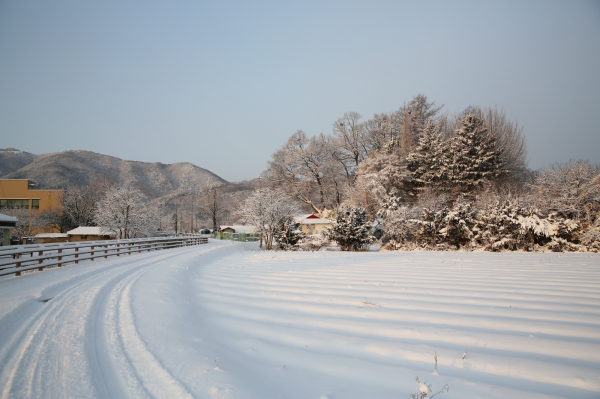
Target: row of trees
558	210
436	181
322	171
125	211
273	213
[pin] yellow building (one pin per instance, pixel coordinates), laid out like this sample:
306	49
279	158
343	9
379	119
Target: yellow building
23	193
312	224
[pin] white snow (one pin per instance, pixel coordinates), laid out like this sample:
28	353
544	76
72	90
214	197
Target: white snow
6	218
87	230
52	235
224	320
239	228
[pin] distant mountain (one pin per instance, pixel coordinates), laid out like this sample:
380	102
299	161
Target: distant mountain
12	160
62	169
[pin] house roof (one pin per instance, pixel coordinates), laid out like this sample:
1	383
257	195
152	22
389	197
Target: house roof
8	221
6	218
88	231
312	219
239	228
52	235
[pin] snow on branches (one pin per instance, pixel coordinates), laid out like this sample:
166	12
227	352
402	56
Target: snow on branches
270	211
473	155
122	211
351	229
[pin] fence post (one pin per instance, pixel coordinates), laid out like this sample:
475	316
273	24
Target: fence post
59	258
40	261
118	249
76	255
105	251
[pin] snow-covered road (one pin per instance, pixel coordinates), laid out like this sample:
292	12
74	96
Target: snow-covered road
72	332
223	320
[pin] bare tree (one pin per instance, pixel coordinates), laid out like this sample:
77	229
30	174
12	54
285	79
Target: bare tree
351	142
79	202
406	125
213	207
123	212
268	211
27	221
54	219
305	168
571	189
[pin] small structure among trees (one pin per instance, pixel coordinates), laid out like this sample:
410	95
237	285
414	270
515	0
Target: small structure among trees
7	223
436	181
269	211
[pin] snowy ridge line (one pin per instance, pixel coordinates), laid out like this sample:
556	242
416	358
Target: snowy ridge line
63	347
102	249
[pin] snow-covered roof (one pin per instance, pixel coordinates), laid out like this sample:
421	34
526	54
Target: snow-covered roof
52	235
8	222
88	231
238	228
6	218
312	219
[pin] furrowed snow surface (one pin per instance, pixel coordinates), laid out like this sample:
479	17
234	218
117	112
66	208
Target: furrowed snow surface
224	320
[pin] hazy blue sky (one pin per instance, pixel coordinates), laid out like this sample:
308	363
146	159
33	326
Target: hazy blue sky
223	84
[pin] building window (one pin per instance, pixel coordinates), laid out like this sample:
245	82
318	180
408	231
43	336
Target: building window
14	203
84	237
35	204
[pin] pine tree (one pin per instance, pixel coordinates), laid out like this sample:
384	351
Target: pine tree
351	229
456	226
473	155
429	161
287	235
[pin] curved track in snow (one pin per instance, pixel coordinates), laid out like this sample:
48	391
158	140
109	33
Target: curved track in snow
75	335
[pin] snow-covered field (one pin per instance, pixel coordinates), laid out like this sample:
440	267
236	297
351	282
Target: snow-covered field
226	321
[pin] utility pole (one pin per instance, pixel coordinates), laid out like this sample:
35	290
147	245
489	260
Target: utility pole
367	202
192	216
259	192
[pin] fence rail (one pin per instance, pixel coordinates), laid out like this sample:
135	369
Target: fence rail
242	237
17	259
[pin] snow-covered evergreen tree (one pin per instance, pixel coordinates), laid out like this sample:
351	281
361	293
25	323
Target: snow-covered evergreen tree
456	225
473	155
351	229
399	227
287	234
429	161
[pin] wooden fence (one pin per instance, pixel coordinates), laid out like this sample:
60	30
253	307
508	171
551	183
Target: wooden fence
17	259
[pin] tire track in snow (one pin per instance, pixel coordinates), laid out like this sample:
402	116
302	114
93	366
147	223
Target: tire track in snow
52	352
137	371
